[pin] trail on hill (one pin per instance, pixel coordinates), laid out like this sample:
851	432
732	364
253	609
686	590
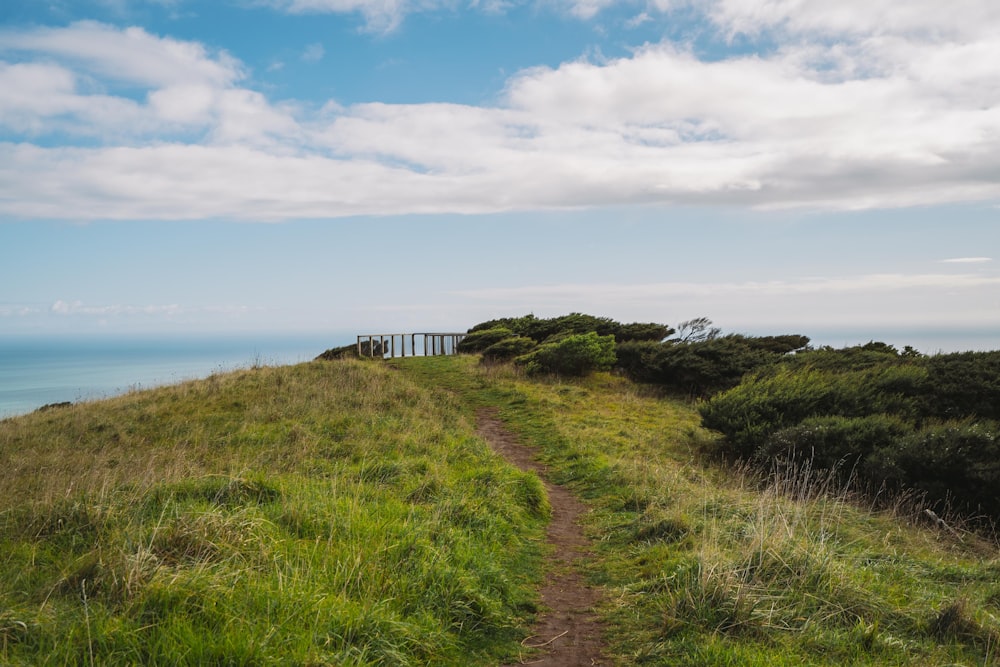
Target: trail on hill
567	633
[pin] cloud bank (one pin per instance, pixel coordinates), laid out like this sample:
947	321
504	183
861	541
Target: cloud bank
845	105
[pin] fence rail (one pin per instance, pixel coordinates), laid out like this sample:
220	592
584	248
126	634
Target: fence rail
420	344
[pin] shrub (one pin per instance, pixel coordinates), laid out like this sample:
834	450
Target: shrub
638	360
575	354
508	349
643	331
342	352
704	367
965	384
855	358
956	463
830	441
762	405
544	329
479	340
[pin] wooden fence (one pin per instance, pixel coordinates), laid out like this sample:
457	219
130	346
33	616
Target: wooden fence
420	344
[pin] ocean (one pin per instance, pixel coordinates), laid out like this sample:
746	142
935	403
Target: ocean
36	371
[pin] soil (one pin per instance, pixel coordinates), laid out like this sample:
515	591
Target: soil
567	632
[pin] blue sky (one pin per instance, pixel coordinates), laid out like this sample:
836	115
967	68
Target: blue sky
351	165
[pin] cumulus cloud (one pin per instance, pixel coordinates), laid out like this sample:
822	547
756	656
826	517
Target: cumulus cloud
129	55
893	104
81	80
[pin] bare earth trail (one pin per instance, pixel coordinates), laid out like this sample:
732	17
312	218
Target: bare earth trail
567	632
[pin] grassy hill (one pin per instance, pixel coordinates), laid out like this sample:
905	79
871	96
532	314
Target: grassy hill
344	512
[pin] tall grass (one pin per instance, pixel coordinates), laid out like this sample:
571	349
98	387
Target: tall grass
325	513
705	565
344	513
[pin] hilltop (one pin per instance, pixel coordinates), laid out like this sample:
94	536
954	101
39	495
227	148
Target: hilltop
347	512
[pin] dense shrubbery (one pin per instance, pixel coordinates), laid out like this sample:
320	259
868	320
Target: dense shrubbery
963	384
574	354
956	463
479	340
697	361
894	419
508	348
703	367
752	412
541	329
573	344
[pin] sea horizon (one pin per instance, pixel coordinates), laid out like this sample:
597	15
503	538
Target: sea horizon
38	370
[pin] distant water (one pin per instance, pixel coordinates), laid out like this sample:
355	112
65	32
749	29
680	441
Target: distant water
923	340
38	371
41	370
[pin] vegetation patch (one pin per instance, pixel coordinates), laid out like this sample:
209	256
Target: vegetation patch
326	513
706	564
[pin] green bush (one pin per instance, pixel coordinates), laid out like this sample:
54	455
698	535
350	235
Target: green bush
901	421
955	464
704	367
575	354
508	348
965	384
479	340
855	358
642	331
638	360
750	413
544	329
831	441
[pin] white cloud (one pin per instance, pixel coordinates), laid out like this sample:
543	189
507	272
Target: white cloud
18	310
380	15
638	20
61	307
877	113
313	53
182	89
131	55
967	260
959	18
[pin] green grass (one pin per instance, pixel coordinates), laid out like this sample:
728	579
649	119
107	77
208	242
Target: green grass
326	513
705	565
344	513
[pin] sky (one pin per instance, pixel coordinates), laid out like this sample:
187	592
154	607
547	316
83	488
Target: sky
304	166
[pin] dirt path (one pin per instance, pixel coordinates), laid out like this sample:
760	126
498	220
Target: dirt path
567	633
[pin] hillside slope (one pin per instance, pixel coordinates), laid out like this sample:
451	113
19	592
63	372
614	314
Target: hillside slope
345	512
704	565
326	513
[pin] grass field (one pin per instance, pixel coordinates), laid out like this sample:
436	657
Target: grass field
707	565
326	513
344	513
